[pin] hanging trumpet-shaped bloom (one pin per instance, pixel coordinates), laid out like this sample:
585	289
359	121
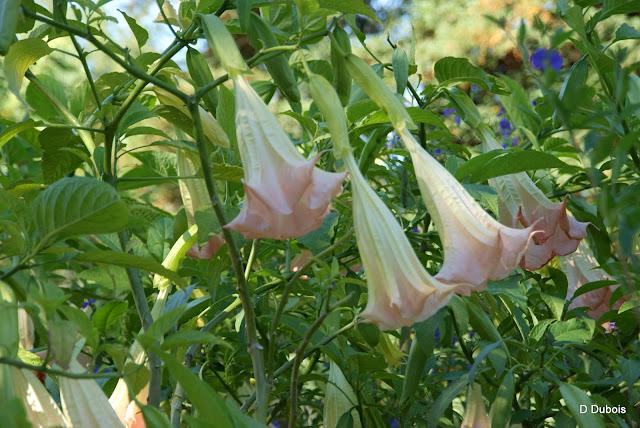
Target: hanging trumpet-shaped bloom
581	268
401	292
41	409
475	413
286	195
522	203
84	403
477	248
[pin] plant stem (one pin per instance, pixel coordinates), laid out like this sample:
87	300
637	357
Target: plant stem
287	288
132	69
254	346
300	356
259	58
286	366
140	300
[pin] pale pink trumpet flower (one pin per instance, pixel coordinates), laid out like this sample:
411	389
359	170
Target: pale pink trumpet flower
286	195
522	203
477	248
401	292
581	268
475	412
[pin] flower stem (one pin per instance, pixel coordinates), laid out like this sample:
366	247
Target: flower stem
254	346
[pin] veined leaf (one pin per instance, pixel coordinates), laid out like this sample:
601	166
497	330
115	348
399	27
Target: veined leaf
501	162
19	58
349	7
8	23
129	260
452	70
139	32
574	398
76	206
13	130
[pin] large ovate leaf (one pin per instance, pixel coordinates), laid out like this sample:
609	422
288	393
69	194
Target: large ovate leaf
502	162
9	10
76	206
21	55
450	71
579	404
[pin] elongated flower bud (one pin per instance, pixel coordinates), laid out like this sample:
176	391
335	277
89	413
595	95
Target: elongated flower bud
477	248
286	195
119	398
339	399
42	410
196	198
475	413
522	203
84	403
212	129
375	88
328	102
222	43
401	292
581	267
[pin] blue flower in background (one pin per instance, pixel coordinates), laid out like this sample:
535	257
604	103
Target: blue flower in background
543	58
395	423
436	334
504	146
457	120
88	303
501	112
437	152
515	141
448	112
505	127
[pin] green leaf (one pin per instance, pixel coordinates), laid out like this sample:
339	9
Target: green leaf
188	337
139	32
614	7
450	70
502	405
9	12
577	330
400	63
496	163
206	401
154	417
76	206
19	58
627	32
11	131
63	152
349	7
574	398
591	286
129	260
446	397
518	106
